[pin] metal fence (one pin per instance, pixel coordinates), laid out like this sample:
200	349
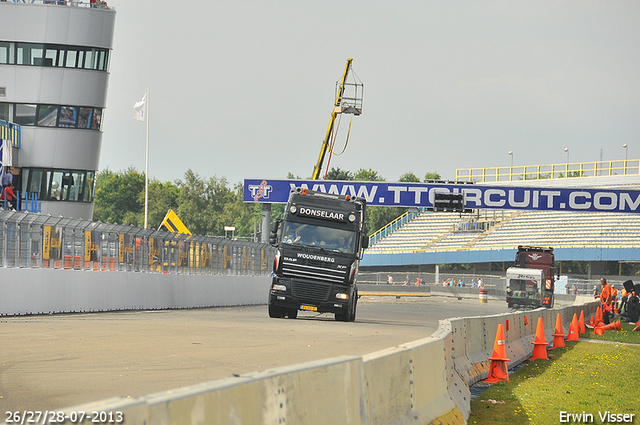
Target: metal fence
36	240
429	278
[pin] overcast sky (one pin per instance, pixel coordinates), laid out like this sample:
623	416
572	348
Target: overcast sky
245	89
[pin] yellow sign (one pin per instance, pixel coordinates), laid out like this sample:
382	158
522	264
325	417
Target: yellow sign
173	224
126	248
51	243
92	245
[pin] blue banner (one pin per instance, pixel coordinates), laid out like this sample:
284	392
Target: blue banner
476	196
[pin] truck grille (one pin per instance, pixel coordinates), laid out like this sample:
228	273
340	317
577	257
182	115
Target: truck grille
313	272
310	291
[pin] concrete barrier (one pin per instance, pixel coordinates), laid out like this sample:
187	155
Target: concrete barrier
45	291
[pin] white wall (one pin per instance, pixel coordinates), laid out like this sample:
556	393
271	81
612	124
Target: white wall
43	291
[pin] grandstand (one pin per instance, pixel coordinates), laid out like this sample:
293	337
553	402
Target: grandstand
452	232
493	235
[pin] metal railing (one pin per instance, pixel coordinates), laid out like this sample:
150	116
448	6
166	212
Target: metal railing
549	171
12	132
43	241
393	226
86	3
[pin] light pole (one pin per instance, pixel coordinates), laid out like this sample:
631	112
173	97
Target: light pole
511	155
511	169
567	166
626	151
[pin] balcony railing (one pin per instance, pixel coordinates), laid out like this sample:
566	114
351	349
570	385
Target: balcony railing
89	4
549	171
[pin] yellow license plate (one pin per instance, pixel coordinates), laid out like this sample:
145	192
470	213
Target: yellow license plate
308	308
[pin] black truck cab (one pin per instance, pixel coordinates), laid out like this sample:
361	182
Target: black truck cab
319	244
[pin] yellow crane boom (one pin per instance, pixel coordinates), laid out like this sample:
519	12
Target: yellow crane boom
339	108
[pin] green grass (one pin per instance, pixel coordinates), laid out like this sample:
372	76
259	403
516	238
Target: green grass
624	335
583	377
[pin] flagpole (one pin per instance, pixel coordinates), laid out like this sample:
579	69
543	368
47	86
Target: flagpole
146	167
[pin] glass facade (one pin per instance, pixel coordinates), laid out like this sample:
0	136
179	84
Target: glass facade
52	115
58	185
54	55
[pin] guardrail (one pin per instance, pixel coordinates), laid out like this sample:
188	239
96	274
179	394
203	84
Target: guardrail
549	171
425	381
42	241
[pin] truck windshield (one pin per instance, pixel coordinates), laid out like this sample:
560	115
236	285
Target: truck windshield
318	237
522	288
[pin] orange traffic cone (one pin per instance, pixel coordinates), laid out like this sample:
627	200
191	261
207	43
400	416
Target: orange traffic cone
581	328
539	349
598	331
598	319
592	322
558	336
499	370
526	322
573	329
615	326
637	328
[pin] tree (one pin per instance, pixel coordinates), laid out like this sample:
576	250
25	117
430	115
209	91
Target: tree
241	215
201	203
409	177
162	198
338	174
117	198
432	176
367	175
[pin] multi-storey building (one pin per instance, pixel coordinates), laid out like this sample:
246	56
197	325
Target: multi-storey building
54	72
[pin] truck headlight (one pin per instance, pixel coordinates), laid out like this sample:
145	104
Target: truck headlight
277	287
342	296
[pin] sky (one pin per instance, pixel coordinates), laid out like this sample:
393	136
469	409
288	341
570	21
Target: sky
245	89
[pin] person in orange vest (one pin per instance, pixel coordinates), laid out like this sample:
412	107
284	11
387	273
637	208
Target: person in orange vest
614	298
605	300
623	299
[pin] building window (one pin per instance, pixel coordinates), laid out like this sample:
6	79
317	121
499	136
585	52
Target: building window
6	112
72	58
54	55
68	116
84	117
96	120
7	55
59	185
30	54
47	116
25	114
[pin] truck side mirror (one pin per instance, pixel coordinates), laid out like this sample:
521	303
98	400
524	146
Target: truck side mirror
365	241
273	235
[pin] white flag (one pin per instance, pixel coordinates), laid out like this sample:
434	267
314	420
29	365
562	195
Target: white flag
139	108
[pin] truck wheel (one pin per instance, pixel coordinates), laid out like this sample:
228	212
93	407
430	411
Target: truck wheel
352	315
292	314
276	312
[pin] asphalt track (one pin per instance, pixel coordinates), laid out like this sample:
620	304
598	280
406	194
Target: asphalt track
51	362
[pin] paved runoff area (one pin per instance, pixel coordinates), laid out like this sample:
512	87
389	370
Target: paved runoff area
56	361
